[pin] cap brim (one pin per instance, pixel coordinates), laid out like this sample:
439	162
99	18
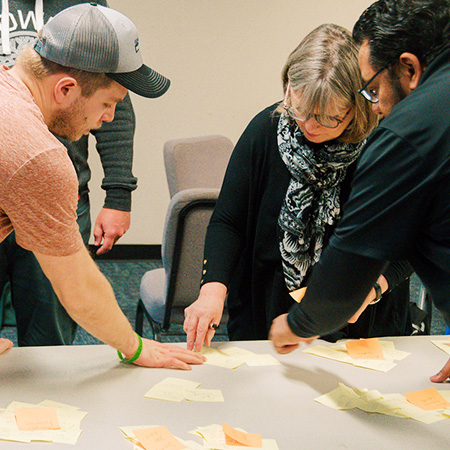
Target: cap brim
144	81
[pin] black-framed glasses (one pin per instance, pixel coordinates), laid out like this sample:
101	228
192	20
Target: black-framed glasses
371	94
323	120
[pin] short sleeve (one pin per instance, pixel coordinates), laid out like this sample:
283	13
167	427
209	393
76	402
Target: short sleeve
40	200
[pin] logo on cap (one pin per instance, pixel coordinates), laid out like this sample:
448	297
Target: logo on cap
136	45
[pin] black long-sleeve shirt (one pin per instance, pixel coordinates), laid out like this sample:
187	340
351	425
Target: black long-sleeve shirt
399	208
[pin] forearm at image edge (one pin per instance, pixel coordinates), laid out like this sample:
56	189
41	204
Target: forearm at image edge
339	283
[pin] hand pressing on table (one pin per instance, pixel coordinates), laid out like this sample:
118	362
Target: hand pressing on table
5	344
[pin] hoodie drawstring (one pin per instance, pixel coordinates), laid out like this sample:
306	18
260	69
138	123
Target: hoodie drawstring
6	48
38	14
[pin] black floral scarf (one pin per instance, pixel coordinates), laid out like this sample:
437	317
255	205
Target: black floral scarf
312	199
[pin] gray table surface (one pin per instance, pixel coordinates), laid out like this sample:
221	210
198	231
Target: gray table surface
276	401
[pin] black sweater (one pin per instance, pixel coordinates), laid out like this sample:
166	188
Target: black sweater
242	252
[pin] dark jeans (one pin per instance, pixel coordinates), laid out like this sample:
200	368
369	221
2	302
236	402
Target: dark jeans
40	318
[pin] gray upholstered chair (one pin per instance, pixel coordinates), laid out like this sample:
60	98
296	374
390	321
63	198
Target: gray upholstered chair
195	168
198	162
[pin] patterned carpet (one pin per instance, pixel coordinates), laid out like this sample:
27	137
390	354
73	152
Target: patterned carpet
125	277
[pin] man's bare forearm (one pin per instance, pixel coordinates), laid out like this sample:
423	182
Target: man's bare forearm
89	299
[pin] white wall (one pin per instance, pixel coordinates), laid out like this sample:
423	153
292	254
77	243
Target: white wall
224	58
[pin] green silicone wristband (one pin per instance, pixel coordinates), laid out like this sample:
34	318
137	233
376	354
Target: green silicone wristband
135	356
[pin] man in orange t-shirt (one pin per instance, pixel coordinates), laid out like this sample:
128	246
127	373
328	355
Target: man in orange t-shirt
85	61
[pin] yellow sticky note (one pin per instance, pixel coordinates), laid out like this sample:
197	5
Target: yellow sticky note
171	389
204	395
158	438
219	358
33	419
239	438
365	349
427	399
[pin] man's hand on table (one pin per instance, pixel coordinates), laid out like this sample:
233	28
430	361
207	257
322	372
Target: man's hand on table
156	354
5	344
284	340
442	375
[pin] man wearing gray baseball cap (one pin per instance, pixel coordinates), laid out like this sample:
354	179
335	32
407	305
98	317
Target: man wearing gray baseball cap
97	39
86	59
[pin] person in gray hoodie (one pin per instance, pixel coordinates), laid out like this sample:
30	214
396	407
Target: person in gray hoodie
40	318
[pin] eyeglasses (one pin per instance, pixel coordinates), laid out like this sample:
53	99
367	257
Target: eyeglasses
323	120
372	95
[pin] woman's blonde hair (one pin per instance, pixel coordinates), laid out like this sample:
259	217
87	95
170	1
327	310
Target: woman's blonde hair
324	70
40	67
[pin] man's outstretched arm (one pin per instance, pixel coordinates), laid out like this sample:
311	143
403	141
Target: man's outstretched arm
89	299
338	287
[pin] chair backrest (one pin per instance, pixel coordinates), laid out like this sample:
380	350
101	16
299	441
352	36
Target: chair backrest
195	168
198	162
186	223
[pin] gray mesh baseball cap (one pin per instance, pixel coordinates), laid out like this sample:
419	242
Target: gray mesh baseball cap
94	38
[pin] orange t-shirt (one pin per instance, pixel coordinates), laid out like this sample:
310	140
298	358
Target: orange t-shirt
38	183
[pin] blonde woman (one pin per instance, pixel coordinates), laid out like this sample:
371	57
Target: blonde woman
282	196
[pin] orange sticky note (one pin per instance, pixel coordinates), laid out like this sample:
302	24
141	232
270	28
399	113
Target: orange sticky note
158	438
33	419
365	349
298	294
427	399
5	344
239	438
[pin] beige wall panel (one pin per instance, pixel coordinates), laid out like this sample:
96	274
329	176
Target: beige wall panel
224	59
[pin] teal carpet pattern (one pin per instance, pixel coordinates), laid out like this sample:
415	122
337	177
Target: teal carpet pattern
125	277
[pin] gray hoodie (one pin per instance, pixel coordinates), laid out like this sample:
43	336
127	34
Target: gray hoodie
114	139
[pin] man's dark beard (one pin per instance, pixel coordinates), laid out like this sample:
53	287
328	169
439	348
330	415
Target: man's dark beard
399	93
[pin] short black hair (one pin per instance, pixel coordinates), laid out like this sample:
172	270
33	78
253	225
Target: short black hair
392	27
